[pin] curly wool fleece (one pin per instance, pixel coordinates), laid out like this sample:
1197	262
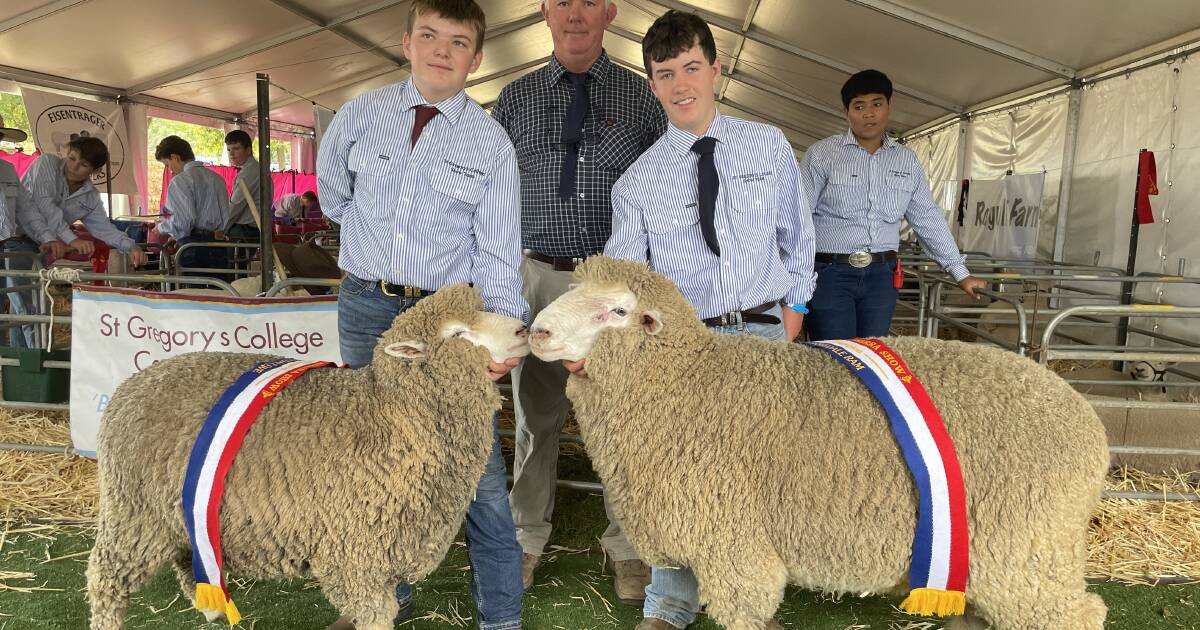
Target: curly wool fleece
359	478
760	463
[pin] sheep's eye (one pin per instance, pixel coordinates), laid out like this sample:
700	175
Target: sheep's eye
459	333
620	312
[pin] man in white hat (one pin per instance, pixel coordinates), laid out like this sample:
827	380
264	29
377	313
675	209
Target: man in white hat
15	196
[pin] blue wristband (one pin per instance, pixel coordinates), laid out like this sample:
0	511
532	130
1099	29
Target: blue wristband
799	308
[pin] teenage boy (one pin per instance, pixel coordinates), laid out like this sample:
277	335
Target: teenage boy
717	205
425	186
860	184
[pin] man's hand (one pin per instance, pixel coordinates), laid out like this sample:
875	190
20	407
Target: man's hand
576	367
55	248
83	246
792	323
970	283
496	371
137	256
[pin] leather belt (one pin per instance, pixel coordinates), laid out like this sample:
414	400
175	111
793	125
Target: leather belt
558	263
402	290
756	315
857	259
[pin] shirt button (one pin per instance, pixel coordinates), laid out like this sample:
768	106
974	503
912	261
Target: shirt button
581	158
399	236
720	231
458	191
582	196
726	263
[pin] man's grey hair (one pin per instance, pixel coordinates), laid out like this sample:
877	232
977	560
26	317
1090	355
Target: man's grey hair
606	3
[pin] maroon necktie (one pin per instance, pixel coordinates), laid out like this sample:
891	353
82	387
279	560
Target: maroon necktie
425	113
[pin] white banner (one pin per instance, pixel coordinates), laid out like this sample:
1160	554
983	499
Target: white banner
118	332
1003	216
56	120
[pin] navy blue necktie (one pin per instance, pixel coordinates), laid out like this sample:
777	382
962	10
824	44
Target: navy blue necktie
572	134
707	187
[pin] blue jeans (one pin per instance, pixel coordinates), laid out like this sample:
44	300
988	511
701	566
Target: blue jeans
673	594
851	301
210	257
364	313
25	302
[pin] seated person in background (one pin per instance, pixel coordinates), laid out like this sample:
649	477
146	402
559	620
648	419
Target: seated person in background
241	224
312	207
288	208
197	206
61	193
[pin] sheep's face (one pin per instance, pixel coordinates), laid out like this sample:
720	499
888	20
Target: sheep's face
1149	370
503	337
568	328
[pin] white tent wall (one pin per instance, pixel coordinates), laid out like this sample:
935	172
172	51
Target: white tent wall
939	154
1156	107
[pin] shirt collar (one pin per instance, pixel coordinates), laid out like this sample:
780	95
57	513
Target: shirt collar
849	139
682	140
452	108
191	165
250	163
599	70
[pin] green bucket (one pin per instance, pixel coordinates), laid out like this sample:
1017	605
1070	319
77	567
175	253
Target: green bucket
31	381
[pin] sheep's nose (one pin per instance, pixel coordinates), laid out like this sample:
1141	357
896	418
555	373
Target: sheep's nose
540	334
523	332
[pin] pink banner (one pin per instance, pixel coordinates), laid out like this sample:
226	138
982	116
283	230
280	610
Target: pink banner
20	161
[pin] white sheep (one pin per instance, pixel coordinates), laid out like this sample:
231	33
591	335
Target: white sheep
359	478
759	463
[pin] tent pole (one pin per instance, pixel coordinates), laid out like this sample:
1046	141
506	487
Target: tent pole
1131	262
266	222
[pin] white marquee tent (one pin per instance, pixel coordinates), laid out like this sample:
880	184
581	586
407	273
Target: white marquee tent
1072	88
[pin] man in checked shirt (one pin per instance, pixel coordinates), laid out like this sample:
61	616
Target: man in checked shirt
860	184
577	124
424	185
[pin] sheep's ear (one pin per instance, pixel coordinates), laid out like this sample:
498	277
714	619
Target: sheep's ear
413	350
652	322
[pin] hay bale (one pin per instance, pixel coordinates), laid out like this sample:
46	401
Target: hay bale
51	486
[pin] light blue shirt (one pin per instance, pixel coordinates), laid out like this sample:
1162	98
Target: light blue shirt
858	199
14	196
197	200
55	207
239	208
445	213
762	218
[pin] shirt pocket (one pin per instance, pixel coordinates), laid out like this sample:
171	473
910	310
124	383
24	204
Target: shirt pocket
757	209
450	206
846	190
673	233
617	146
373	166
533	143
898	190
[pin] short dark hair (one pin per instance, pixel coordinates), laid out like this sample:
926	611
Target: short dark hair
91	150
174	145
309	195
466	11
675	32
866	82
237	136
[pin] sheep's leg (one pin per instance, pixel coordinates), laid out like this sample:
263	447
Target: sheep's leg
966	622
185	575
742	590
121	561
368	599
1047	608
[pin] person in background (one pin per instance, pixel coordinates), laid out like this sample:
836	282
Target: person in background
288	208
197	207
16	198
312	206
242	225
860	184
577	123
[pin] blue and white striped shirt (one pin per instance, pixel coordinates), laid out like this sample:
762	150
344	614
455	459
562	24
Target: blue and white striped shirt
858	199
55	207
762	218
197	200
447	213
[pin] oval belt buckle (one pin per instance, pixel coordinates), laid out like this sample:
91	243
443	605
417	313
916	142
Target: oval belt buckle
859	259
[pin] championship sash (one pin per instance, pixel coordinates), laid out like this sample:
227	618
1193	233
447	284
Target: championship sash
218	442
938	576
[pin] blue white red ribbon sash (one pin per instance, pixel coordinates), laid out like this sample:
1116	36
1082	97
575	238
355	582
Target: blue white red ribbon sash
938	576
212	454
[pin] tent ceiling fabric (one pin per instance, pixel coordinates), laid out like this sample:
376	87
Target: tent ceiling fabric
784	60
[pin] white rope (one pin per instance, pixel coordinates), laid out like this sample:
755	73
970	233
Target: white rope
55	274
